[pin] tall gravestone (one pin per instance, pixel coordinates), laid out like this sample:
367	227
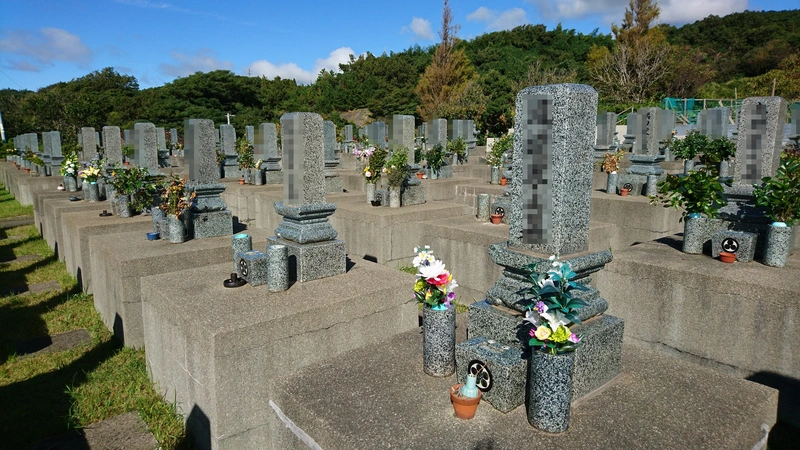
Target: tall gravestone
46	155
56	155
402	136
333	181
227	143
88	142
646	152
210	215
128	137
714	122
173	136
161	138
794	131
550	203
401	132
436	132
348	138
145	146
249	134
267	141
606	128
376	133
113	149
314	251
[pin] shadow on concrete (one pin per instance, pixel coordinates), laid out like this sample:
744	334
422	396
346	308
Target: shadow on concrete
198	429
672	241
783	435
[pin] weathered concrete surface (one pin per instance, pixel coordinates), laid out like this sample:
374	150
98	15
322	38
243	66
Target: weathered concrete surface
387	402
214	350
22	185
51	221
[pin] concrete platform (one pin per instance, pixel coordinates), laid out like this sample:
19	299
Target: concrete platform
38	205
635	218
215	351
77	227
22	185
51	222
378	397
741	318
119	261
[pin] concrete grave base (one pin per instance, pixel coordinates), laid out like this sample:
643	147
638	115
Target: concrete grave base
212	224
313	261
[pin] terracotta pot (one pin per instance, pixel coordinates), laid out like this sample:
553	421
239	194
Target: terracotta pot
241	181
465	407
503	181
27	170
727	257
624	192
496	218
419	175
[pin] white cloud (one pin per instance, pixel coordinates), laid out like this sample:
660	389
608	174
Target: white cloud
496	21
293	71
42	48
420	28
202	61
675	12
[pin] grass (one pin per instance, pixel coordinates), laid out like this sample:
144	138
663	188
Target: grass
10	207
61	392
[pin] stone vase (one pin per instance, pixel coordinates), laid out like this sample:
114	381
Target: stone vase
394	197
550	390
111	196
101	183
158	217
70	184
688	165
495	175
176	230
124	205
370	192
611	183
259	177
778	244
247	174
434	174
91	191
439	341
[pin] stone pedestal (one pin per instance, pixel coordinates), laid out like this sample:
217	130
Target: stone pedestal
210	216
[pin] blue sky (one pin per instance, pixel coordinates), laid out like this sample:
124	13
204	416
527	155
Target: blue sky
46	41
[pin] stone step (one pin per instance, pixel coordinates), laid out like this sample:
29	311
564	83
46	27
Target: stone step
51	344
126	431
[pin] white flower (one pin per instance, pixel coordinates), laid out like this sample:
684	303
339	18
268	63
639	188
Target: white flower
368	174
432	270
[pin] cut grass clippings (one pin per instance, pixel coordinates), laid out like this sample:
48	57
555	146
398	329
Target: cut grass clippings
55	393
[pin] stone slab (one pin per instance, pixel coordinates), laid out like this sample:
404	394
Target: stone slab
119	261
126	431
51	344
51	221
217	351
389	403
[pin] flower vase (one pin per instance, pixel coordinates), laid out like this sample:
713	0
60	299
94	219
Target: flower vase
158	218
248	176
439	341
611	183
124	205
91	191
394	197
434	174
778	244
101	184
84	186
370	192
550	390
70	184
176	229
688	165
111	196
495	175
259	177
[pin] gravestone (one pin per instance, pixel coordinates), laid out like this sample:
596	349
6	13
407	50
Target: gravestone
436	132
113	149
97	139
714	122
173	136
646	152
472	135
145	146
333	181
401	133
227	143
128	137
314	251
249	133
550	205
376	133
88	142
422	133
210	215
267	142
665	126
56	156
606	127
629	138
647	135
794	131
161	139
348	138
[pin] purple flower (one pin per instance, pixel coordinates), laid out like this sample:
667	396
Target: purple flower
451	296
574	338
540	307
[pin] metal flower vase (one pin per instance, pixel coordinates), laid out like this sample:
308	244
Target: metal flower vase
176	229
439	341
550	390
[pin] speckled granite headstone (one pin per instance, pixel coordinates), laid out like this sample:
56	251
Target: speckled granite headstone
436	133
210	216
56	155
113	148
249	134
128	137
227	143
795	115
348	133
145	146
376	133
647	137
606	124
161	138
173	136
402	132
552	172
267	140
714	122
758	148
88	142
329	140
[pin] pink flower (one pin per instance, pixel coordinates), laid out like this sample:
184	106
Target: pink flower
574	338
440	280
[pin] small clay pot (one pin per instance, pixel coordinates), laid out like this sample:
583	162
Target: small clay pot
496	218
465	407
624	192
241	181
503	181
727	257
419	175
27	170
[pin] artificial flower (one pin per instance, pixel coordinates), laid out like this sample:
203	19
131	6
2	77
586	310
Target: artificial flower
542	333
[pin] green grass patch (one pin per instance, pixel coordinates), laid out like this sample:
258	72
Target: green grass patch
58	392
9	207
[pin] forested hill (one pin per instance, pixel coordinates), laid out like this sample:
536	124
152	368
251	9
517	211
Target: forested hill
746	51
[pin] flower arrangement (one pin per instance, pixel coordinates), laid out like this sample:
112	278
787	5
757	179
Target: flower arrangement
780	194
136	182
176	198
435	157
244	153
500	147
93	169
69	166
396	168
363	155
611	161
372	172
434	286
459	148
554	308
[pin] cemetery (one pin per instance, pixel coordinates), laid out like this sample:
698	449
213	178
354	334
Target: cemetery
292	291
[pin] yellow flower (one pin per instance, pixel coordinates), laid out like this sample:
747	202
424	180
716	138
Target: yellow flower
419	286
542	333
561	334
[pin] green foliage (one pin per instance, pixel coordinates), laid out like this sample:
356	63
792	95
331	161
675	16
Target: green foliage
435	157
138	183
718	150
780	194
710	152
690	146
698	192
396	167
458	147
244	153
127	151
375	165
417	155
500	147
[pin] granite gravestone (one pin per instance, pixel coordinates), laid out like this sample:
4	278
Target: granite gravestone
56	156
333	182
606	126
632	128
714	122
402	136
794	133
127	137
267	142
550	205
249	134
88	142
173	136
436	133
401	132
210	216
314	252
227	143
145	146
376	133
161	139
113	141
